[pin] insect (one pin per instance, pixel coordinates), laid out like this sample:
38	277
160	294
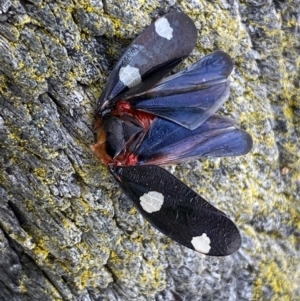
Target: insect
145	119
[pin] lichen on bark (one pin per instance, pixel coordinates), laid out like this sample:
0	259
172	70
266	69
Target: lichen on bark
66	231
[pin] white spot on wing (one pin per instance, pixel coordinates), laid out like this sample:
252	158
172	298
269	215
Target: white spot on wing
130	76
201	243
152	201
163	28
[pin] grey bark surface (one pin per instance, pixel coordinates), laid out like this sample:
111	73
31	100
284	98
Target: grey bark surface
67	232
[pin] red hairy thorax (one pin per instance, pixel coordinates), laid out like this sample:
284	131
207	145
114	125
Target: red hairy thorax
145	119
122	109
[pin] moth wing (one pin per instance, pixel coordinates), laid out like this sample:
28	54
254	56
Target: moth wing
177	211
191	96
167	142
210	70
156	51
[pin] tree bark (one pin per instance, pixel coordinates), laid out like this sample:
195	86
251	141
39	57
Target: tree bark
67	232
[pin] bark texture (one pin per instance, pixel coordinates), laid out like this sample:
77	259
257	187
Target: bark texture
66	231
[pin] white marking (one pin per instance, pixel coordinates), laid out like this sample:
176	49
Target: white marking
152	201
163	28
130	76
201	243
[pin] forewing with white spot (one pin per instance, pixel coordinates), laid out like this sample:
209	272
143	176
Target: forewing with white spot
156	51
177	211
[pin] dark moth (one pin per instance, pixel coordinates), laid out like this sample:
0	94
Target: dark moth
145	120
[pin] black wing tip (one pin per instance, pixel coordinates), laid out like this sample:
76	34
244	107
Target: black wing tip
228	62
218	242
187	24
180	16
247	143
